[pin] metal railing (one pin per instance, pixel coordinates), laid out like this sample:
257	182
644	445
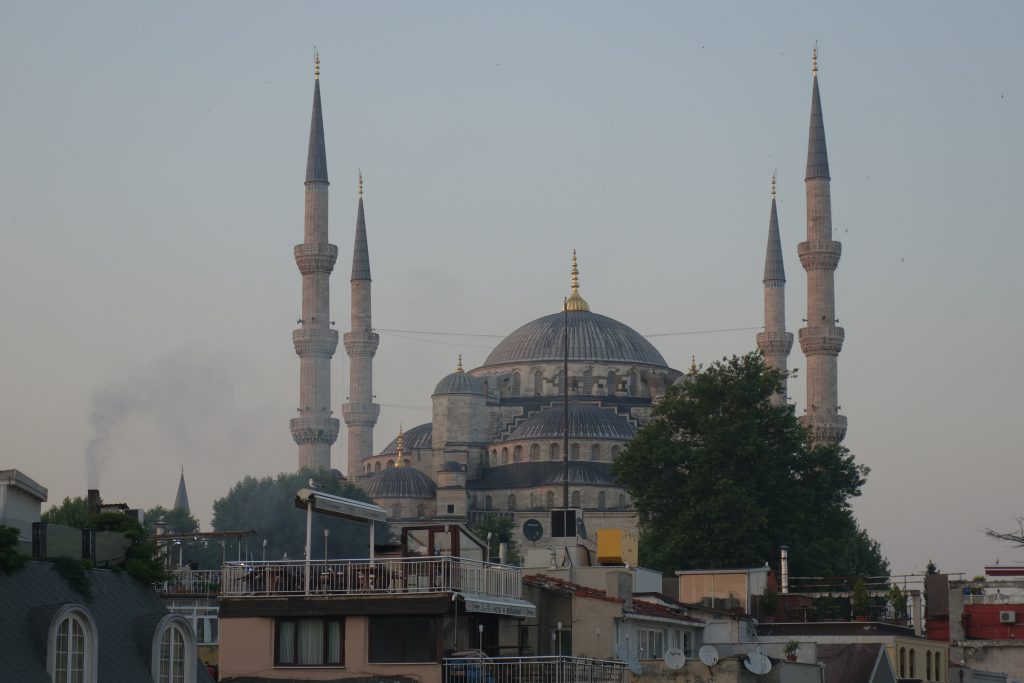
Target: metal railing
533	670
372	577
192	582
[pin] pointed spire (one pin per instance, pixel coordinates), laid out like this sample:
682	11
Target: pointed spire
401	447
316	159
459	367
693	366
817	154
361	250
575	302
181	498
773	267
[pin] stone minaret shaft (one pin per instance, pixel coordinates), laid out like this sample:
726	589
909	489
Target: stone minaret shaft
821	340
775	343
360	412
314	430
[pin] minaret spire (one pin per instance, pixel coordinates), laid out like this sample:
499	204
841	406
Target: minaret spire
575	302
360	413
181	497
314	430
775	342
821	340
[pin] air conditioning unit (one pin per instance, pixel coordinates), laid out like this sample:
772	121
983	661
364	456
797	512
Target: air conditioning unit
1007	616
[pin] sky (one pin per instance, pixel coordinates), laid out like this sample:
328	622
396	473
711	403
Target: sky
151	167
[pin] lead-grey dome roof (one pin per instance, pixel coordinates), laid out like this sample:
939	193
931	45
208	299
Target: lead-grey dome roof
418	437
400	482
592	337
586	421
523	475
459	382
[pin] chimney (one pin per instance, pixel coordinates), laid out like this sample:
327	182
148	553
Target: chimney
93	503
620	585
502	548
784	567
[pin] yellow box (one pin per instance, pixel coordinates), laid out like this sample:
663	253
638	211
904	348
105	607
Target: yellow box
616	547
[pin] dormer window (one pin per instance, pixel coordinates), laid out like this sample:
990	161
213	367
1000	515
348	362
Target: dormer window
72	646
174	651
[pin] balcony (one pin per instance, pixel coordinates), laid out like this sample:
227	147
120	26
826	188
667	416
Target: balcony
533	670
387	576
191	583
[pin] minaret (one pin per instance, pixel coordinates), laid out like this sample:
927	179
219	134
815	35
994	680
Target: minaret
181	498
360	413
314	430
775	343
821	341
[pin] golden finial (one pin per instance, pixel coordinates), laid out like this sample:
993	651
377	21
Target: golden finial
575	302
401	446
693	366
458	368
773	184
360	183
814	59
316	64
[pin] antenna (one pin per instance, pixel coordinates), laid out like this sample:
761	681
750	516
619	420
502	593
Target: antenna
709	655
758	663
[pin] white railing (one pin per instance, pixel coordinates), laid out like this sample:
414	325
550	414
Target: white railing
192	582
372	577
1015	598
533	670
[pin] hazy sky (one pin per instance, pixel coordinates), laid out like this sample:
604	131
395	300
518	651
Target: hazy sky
151	167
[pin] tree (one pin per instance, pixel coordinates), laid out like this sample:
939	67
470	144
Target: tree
141	559
931	568
10	555
898	599
267	506
722	478
178	521
1014	538
860	599
73	512
497	526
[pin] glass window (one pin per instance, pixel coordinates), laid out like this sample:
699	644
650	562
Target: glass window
403	639
601	504
577	499
172	655
551	499
69	651
517	454
535	451
652	643
310	642
575	451
553	451
595	452
517	384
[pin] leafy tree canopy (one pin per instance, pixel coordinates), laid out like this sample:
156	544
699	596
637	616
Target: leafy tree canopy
497	526
267	505
71	512
10	556
178	521
722	478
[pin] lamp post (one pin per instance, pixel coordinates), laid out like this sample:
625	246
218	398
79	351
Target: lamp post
264	550
327	532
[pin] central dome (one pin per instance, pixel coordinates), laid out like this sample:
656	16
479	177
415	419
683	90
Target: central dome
592	338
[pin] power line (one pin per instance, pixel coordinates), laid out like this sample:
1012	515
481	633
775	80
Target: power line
399	333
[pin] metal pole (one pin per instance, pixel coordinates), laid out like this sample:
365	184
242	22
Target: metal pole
373	535
565	413
309	537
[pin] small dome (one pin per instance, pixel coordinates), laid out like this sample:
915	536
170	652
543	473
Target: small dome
460	383
400	482
452	466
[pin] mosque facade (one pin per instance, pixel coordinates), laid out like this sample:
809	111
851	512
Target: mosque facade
537	427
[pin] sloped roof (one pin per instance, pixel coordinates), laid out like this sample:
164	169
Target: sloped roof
400	482
856	663
522	475
586	421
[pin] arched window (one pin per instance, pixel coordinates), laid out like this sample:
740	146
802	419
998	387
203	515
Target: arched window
595	452
587	385
553	451
517	454
72	646
376	466
615	452
903	662
504	456
574	451
421	511
927	665
535	451
511	501
622	500
391	463
577	499
538	383
396	511
634	382
938	666
601	501
494	457
533	501
369	468
551	500
517	384
407	462
174	663
910	657
610	383
488	503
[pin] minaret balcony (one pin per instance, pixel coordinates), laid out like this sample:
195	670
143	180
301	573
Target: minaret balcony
773	342
821	341
819	254
315	257
315	342
826	429
360	414
361	343
315	430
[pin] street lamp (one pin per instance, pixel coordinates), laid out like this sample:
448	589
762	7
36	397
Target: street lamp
264	550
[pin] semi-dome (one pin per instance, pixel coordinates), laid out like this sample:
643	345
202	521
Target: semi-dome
459	382
586	421
416	438
400	482
592	338
523	475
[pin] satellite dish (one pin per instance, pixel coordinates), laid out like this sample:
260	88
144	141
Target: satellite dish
758	663
708	654
675	658
533	530
581	530
635	668
631	663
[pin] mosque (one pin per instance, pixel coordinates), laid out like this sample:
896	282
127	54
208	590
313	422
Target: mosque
555	401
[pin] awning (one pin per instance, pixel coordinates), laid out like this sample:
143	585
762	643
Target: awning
509	607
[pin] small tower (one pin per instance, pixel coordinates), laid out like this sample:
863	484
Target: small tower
181	497
821	340
314	430
360	413
775	343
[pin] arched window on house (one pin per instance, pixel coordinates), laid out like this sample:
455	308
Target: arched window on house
587	384
622	501
535	451
595	452
538	383
517	454
72	646
488	503
601	501
512	501
550	500
174	655
504	456
553	451
577	499
517	384
574	452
